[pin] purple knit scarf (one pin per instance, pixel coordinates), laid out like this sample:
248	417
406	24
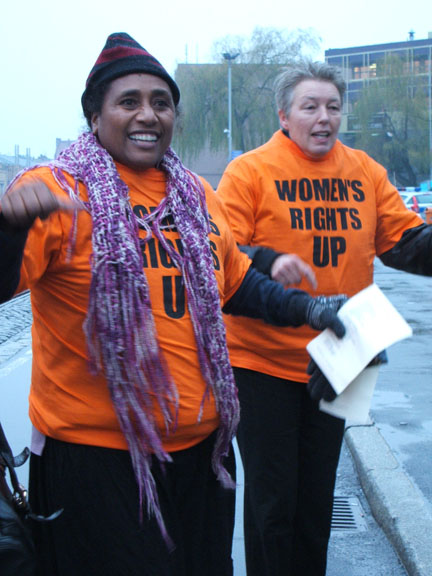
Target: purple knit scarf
119	327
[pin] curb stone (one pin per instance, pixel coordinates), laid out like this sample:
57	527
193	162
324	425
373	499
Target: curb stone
396	503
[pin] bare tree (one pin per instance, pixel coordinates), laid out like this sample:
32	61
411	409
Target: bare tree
204	89
392	113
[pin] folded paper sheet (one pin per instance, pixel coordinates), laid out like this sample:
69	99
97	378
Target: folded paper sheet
372	324
354	402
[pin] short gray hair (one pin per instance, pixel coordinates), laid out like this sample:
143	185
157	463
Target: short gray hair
290	77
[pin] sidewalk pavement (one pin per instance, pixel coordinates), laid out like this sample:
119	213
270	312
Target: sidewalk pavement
393	455
358	546
397	504
397	535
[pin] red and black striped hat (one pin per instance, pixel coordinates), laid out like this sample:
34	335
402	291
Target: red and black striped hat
120	56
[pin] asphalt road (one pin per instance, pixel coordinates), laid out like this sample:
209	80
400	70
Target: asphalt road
393	456
402	403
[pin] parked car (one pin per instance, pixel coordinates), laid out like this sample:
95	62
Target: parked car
417	201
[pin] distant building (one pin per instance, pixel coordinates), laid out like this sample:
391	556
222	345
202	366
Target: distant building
61	145
360	63
11	165
209	164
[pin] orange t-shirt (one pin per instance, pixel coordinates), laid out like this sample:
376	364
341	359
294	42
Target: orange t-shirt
66	401
337	213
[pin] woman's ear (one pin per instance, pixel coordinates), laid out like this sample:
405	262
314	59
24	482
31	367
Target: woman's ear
283	120
94	124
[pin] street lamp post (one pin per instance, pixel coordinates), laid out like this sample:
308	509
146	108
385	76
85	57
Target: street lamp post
229	58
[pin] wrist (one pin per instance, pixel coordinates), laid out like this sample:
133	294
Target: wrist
10	230
301	305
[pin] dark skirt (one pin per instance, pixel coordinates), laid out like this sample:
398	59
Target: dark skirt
100	531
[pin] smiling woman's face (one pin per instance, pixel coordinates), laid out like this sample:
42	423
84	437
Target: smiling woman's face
315	116
136	121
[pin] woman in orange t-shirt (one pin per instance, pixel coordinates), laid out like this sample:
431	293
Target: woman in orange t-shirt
129	258
313	213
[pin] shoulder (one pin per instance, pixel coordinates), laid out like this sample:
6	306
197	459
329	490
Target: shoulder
45	174
360	159
251	158
355	154
39	172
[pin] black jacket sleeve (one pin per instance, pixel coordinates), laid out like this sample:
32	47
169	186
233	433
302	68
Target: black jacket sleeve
12	242
413	252
262	257
260	297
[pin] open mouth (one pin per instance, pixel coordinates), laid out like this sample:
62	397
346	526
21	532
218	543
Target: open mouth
323	135
143	137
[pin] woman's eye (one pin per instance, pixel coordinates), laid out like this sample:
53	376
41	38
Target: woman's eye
128	102
161	103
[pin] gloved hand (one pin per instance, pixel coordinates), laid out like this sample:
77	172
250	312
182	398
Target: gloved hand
322	311
319	387
380	358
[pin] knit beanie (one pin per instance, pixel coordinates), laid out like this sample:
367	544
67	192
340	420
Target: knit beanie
120	56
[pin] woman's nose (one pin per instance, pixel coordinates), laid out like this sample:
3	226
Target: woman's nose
323	114
145	113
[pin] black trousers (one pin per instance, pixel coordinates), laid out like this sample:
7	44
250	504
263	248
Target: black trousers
100	532
290	452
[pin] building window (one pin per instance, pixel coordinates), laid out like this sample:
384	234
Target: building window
355	66
335	61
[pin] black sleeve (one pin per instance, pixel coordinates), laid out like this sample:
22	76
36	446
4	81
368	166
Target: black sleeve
262	257
413	252
260	297
12	242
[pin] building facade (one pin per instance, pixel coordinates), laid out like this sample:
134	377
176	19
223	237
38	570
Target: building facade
361	63
11	165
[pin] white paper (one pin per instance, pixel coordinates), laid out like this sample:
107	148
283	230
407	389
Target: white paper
372	324
354	402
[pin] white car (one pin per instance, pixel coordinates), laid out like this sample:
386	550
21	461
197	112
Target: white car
417	201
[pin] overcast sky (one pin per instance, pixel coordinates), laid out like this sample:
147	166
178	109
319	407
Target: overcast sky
48	47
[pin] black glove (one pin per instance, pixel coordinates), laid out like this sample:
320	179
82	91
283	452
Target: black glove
319	387
380	358
322	311
321	314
